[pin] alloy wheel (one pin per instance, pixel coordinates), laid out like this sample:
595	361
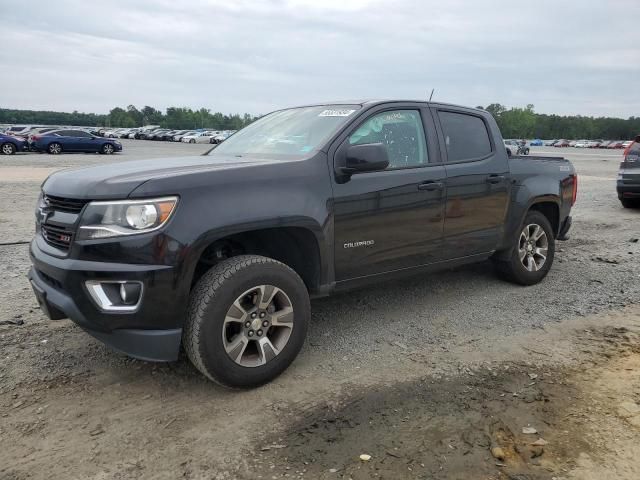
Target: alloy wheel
533	247
7	149
258	326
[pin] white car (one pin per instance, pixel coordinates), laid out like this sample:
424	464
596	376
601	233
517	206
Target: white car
582	144
201	137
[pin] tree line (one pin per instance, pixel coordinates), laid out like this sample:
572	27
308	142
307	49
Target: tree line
513	122
174	117
525	123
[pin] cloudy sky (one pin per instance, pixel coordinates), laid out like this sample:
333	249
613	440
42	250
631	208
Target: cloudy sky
563	56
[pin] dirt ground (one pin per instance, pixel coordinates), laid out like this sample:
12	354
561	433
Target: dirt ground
433	378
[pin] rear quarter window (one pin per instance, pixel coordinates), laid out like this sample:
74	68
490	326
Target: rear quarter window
466	136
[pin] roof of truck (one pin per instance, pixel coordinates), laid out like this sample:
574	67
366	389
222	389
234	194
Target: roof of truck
371	101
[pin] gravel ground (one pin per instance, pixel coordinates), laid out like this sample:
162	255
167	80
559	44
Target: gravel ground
361	341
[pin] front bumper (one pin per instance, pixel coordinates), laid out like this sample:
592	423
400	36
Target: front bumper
152	332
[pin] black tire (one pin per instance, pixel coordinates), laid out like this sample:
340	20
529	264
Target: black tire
192	141
209	303
526	151
7	148
107	149
630	202
54	148
513	269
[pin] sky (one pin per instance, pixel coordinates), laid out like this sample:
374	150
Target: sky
236	56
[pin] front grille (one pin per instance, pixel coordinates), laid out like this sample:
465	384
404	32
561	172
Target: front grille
59	237
70	205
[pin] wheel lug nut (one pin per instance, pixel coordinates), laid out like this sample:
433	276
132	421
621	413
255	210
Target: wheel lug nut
253	315
248	324
265	324
262	314
259	332
250	333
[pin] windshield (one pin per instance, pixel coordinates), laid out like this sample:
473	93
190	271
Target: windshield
287	133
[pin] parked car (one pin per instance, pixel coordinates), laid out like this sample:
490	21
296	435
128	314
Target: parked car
581	144
222	252
615	144
594	143
218	139
535	143
561	143
59	141
628	183
604	144
626	145
19	130
202	137
10	144
550	143
180	136
572	143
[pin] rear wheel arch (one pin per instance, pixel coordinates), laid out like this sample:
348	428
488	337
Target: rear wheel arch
549	209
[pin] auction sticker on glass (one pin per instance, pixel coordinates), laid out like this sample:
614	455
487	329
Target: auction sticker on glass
336	113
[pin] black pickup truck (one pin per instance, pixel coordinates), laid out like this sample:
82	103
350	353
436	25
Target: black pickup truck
220	253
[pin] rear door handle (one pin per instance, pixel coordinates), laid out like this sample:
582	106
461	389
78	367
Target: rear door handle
495	178
431	186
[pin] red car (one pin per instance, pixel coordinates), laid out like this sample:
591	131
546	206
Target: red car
615	144
561	143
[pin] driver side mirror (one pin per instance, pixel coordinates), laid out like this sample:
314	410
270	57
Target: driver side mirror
370	157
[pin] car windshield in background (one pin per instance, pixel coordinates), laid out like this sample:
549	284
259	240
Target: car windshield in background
287	133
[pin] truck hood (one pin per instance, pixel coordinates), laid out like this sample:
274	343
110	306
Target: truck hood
118	180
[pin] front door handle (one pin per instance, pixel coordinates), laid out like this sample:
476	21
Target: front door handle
495	178
431	186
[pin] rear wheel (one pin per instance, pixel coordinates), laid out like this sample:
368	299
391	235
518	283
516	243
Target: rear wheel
532	252
54	148
630	202
248	319
107	149
526	151
192	141
8	149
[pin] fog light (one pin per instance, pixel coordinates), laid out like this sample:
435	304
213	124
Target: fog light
115	295
130	292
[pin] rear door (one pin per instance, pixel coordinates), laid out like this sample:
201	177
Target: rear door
477	184
391	219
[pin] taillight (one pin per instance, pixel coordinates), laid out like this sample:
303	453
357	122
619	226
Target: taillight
575	189
35	137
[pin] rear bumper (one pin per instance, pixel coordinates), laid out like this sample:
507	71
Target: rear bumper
628	187
152	332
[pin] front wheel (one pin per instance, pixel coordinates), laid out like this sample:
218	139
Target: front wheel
192	141
8	149
526	151
532	252
107	149
247	320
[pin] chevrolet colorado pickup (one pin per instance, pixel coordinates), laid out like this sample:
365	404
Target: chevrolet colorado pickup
220	253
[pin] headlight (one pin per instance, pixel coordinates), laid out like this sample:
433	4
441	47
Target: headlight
125	217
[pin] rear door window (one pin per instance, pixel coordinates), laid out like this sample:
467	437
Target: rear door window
466	136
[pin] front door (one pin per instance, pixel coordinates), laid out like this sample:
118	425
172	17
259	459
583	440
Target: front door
390	219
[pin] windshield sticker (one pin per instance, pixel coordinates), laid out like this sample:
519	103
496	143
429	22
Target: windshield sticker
336	113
